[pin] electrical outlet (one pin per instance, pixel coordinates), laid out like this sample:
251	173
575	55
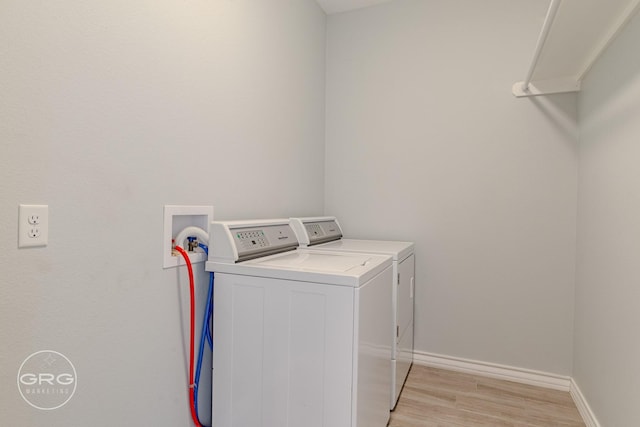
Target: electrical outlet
176	218
33	225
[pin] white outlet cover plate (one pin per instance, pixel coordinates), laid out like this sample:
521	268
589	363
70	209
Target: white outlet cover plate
33	225
175	219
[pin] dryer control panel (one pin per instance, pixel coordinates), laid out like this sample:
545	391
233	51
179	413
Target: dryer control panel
313	231
236	241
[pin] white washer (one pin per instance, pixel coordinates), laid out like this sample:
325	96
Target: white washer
301	338
325	234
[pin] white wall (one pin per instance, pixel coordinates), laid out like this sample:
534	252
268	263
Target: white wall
108	111
607	349
425	142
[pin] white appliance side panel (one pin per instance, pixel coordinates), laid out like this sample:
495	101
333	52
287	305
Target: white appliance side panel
395	389
374	343
237	363
403	362
283	353
247	323
307	345
395	332
394	311
405	297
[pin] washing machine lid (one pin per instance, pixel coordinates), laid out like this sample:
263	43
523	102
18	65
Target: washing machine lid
333	268
398	250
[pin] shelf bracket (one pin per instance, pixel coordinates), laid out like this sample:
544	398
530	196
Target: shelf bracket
545	87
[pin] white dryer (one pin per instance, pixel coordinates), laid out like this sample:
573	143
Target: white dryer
324	234
301	338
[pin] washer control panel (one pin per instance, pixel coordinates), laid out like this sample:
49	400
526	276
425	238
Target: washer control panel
252	242
236	241
316	230
251	239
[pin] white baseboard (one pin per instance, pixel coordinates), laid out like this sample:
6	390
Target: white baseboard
510	373
582	405
492	370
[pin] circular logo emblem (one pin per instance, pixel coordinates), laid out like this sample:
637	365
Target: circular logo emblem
47	380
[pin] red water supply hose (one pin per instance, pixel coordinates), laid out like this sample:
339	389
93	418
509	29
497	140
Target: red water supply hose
192	404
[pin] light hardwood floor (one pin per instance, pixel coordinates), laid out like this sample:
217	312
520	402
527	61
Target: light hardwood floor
440	398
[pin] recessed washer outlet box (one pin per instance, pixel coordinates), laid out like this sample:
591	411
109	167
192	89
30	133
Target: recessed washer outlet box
176	219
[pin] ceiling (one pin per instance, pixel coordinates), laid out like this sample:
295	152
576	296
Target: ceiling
337	6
